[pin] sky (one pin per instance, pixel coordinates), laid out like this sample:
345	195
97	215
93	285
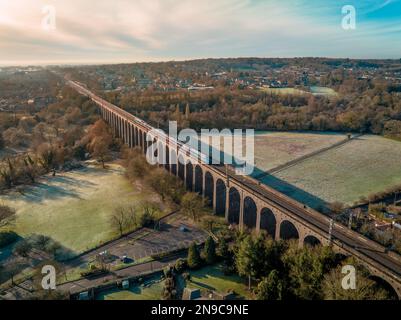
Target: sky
98	31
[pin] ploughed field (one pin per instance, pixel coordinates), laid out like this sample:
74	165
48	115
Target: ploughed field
75	208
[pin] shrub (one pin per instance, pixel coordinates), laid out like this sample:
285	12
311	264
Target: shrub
194	259
222	249
137	167
147	218
93	273
23	248
169	292
165	254
186	276
209	251
168	272
377	210
368	230
336	207
180	265
7	237
79	152
270	288
39	241
92	267
397	245
2	143
7	214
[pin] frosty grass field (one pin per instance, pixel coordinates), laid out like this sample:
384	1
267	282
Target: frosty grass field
75	208
315	90
276	148
365	165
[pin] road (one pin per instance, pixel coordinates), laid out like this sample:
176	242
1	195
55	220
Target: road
348	240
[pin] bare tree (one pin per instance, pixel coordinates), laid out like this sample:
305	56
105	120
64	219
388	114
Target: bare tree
7	172
209	222
100	141
119	220
100	149
192	205
30	168
46	156
147	217
132	213
336	207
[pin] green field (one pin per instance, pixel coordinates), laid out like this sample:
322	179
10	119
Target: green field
151	292
207	278
284	91
74	208
213	278
322	91
366	165
315	90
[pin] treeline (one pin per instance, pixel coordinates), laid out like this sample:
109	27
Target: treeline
373	111
282	270
285	271
27	91
61	121
129	218
64	153
390	194
366	104
362	106
169	187
277	270
166	185
55	138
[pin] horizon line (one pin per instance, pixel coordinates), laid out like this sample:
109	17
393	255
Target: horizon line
37	63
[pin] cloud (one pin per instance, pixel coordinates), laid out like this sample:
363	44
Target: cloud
377	6
132	30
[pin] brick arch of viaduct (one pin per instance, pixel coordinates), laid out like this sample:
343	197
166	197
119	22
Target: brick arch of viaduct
229	198
217	189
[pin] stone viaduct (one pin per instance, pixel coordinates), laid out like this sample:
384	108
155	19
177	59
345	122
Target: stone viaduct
249	204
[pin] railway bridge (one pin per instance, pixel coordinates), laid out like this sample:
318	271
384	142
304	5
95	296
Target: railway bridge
248	203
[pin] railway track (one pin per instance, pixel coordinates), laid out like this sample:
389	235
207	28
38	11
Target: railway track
348	240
